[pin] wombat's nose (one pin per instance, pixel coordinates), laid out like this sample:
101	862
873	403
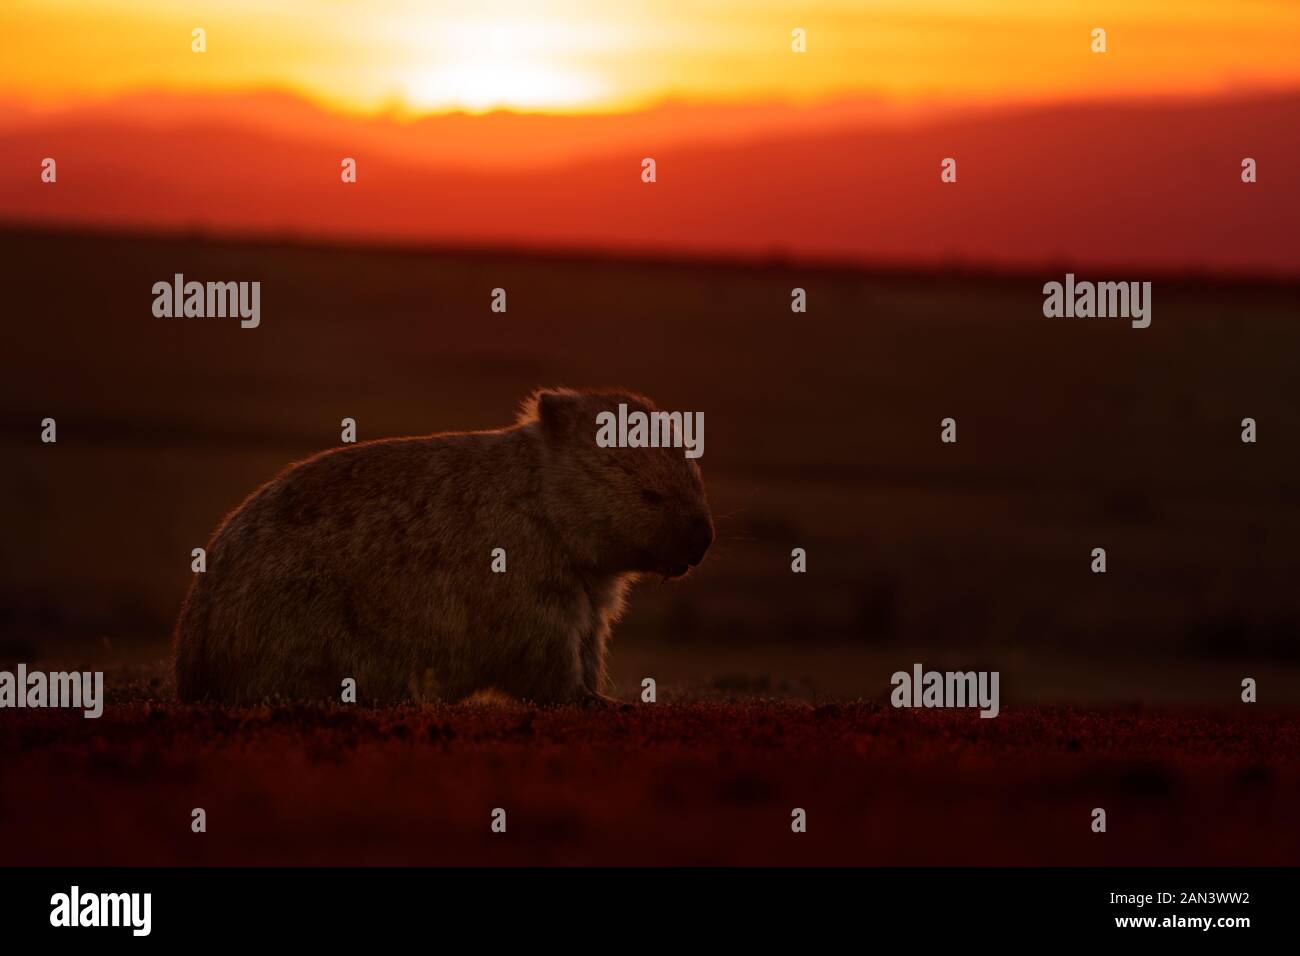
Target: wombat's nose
701	536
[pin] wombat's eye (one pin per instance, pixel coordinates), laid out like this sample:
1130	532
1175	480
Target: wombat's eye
652	497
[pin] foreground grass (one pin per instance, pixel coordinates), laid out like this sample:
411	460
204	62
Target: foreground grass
691	781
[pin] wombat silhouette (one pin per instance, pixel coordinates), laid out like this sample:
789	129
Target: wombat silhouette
379	562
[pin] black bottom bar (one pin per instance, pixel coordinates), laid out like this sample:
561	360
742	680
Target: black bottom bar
662	906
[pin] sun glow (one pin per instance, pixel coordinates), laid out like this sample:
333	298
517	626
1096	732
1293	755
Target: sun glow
480	87
517	61
580	56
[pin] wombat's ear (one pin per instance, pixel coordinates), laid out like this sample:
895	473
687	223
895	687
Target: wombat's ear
558	412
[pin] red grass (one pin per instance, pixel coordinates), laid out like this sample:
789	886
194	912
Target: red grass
689	783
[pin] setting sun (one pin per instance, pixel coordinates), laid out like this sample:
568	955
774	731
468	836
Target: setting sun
594	56
506	59
479	87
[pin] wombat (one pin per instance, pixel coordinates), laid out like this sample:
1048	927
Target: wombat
374	561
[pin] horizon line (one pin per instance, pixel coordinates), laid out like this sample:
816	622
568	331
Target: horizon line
774	259
912	107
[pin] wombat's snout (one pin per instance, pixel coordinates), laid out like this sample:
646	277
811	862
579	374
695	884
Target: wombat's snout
698	538
690	539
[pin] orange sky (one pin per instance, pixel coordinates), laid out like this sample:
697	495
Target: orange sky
603	55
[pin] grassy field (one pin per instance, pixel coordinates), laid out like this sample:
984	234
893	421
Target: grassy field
692	779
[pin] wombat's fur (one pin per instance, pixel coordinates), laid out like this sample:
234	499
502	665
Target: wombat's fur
373	561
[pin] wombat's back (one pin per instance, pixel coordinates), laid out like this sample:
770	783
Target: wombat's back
344	565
